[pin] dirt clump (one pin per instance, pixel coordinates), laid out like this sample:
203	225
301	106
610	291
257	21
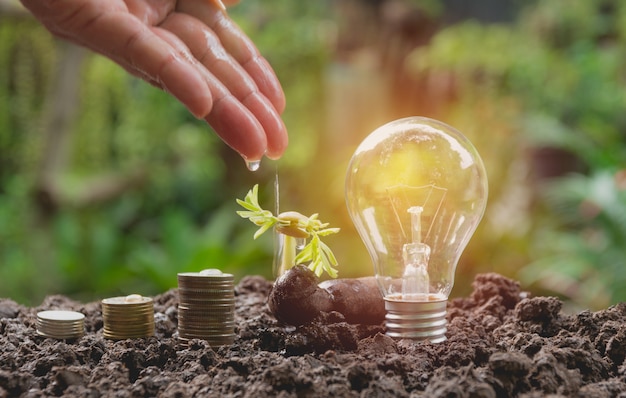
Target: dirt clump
501	343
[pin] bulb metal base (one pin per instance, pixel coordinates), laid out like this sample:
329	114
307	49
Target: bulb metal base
416	320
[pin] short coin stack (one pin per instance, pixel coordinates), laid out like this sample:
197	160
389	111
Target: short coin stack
128	317
206	308
59	324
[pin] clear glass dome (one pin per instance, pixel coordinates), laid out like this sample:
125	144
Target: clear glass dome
416	190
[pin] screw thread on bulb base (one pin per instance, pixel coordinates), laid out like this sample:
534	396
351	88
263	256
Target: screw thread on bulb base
416	320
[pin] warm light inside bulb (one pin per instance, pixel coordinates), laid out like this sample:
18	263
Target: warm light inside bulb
416	189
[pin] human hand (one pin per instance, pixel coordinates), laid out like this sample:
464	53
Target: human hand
189	48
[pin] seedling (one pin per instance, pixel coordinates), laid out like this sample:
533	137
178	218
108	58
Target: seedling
293	226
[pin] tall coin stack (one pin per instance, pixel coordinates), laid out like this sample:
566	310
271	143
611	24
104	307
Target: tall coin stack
128	317
59	324
206	308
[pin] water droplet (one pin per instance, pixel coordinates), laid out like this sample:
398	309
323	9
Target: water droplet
253	165
300	243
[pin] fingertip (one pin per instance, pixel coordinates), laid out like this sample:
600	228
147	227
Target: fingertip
270	120
278	144
218	4
238	128
275	155
200	111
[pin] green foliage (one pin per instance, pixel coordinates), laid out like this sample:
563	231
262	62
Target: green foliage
583	114
584	259
173	217
563	64
22	278
27	57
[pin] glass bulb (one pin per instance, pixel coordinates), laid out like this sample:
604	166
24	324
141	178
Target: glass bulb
416	190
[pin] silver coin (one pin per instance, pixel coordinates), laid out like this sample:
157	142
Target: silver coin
61	325
60	316
61	330
60	336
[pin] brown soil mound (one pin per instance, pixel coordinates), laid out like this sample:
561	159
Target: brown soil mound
500	344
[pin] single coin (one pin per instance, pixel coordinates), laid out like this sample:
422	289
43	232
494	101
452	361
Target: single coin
60	315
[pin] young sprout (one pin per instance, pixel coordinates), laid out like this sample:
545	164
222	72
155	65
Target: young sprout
293	225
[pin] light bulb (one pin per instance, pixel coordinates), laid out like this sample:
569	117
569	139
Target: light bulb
416	190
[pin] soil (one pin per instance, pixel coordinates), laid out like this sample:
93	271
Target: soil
501	343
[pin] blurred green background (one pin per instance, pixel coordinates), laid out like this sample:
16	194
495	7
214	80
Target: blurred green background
109	187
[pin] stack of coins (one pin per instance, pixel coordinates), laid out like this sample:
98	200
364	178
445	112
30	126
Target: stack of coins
206	308
128	317
60	324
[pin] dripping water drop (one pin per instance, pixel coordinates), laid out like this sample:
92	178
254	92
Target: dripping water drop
253	165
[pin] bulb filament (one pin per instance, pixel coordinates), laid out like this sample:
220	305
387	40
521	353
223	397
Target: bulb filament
415	279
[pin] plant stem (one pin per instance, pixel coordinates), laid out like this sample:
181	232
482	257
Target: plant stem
286	252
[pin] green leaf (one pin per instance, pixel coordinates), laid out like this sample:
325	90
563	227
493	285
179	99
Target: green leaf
328	231
247	205
306	254
263	228
329	254
262	218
